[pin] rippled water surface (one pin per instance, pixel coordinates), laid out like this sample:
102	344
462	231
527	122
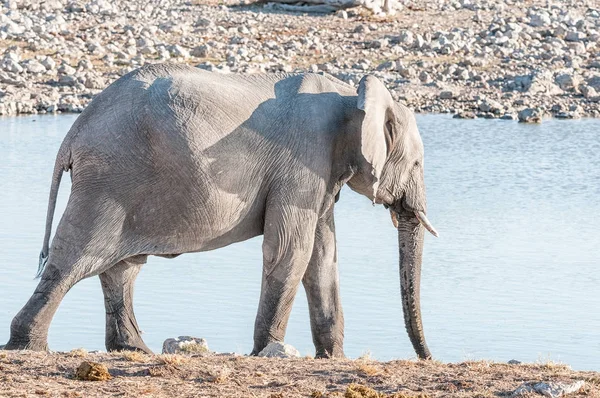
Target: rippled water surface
515	273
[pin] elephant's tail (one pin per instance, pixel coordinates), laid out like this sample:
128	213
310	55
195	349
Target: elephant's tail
62	164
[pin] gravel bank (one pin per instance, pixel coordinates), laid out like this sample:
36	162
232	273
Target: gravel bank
29	374
475	58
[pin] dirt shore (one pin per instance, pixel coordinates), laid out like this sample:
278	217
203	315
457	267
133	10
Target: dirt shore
31	374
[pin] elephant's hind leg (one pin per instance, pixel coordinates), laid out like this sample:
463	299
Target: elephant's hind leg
29	328
79	250
122	331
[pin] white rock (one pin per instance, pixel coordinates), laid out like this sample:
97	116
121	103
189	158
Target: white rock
277	349
406	38
11	66
540	19
48	63
185	344
178	51
530	115
550	389
34	66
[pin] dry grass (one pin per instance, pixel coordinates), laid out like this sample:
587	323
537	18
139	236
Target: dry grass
31	373
172	359
78	353
134	356
367	369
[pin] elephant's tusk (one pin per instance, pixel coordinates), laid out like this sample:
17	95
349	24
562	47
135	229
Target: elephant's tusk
394	218
425	222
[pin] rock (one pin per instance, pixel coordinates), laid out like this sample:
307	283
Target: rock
539	19
588	91
406	38
540	81
203	22
66	69
567	81
95	82
48	63
530	115
185	345
277	349
200	51
574	35
92	371
33	66
465	115
492	106
11	65
514	361
446	95
178	51
550	389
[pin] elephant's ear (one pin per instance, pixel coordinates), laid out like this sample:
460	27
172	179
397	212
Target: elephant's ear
377	103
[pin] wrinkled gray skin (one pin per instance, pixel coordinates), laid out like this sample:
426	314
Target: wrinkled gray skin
171	159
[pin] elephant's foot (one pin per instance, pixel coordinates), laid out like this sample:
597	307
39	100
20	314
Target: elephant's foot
25	343
261	344
334	352
25	337
128	345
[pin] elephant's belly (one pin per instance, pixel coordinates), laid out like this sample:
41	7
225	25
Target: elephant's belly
193	224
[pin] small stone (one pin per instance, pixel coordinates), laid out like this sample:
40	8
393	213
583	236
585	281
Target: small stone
33	66
491	106
178	51
48	63
185	345
342	14
567	81
588	91
277	349
203	22
540	19
92	371
66	69
361	29
446	95
11	65
406	38
200	51
465	115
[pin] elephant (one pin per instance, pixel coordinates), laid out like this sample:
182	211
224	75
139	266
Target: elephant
172	159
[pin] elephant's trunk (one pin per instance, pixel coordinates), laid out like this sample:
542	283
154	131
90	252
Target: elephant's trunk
410	244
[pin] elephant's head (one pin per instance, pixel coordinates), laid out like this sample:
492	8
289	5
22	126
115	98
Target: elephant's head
390	172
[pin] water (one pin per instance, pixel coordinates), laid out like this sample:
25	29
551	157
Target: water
514	273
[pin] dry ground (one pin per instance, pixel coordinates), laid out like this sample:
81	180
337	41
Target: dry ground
29	374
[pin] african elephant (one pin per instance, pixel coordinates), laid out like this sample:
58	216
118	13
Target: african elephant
171	159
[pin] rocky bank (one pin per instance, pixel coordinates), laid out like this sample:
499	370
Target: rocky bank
504	59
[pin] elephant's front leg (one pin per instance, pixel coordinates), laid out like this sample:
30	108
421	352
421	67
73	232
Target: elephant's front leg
321	282
122	331
287	248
